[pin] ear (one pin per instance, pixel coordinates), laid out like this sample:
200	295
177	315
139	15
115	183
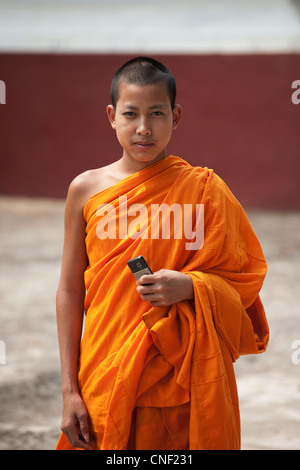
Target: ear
111	114
176	115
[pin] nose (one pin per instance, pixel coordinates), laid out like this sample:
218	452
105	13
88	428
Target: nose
143	127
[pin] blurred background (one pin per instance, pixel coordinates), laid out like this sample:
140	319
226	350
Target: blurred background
235	63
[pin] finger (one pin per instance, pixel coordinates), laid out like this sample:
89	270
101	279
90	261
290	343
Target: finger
72	434
148	297
84	427
145	279
77	441
82	444
145	289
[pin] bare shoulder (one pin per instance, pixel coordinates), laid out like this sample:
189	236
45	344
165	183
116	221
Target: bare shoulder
91	182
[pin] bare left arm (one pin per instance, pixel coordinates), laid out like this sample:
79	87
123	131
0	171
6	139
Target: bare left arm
165	287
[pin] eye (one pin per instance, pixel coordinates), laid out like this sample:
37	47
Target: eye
157	113
129	114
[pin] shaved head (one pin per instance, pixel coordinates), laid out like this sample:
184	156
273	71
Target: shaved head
143	71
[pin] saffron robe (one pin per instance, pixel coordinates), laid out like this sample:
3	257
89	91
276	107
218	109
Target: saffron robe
138	360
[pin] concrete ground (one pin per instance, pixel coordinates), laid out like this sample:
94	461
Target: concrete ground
31	232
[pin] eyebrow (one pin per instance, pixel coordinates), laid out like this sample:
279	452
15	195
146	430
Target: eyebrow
155	106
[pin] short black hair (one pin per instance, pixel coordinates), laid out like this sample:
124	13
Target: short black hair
143	71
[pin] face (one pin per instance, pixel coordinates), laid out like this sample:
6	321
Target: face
144	121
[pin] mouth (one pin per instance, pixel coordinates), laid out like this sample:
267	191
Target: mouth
143	145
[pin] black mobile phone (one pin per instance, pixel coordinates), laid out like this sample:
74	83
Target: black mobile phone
139	267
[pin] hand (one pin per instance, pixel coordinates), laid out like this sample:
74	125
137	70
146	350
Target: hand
75	423
165	287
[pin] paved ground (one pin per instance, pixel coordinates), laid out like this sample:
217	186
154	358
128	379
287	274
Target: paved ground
31	234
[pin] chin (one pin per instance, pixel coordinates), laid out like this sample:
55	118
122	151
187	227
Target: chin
148	158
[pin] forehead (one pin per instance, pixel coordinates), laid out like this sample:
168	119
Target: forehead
141	95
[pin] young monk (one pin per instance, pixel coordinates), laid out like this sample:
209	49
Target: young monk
154	367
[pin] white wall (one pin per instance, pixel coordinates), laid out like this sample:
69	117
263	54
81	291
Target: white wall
164	26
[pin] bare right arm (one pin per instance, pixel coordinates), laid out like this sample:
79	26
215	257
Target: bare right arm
70	310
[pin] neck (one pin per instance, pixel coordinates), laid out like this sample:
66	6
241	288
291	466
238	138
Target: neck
129	166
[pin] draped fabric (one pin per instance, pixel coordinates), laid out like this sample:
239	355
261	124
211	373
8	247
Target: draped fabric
139	363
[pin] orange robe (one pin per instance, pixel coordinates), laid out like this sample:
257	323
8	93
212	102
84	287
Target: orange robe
163	378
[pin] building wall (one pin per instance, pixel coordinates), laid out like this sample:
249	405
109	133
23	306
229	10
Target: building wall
238	118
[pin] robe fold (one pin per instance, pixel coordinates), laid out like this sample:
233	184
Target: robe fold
168	370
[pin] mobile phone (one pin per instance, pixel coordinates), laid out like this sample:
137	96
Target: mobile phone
139	267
